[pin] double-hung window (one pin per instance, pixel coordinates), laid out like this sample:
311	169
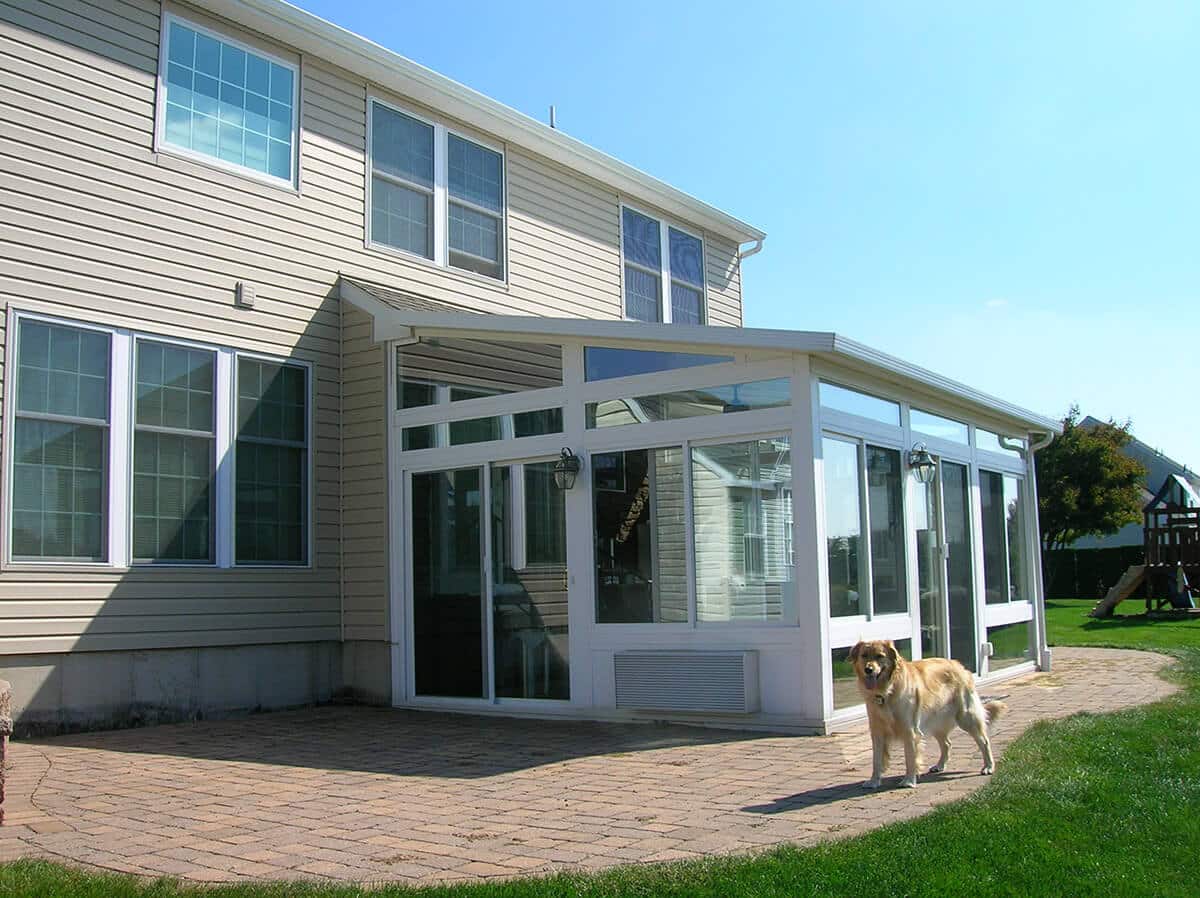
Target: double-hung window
656	254
227	103
126	449
174	453
60	443
435	194
272	462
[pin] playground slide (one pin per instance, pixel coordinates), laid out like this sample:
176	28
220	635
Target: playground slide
1130	580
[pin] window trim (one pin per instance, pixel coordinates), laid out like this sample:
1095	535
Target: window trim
164	147
116	473
440	193
664	274
118	519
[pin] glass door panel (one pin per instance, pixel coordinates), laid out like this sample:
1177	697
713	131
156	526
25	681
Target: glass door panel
529	582
956	505
448	583
930	571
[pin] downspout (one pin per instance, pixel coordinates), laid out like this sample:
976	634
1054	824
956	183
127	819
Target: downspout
747	253
341	476
1039	607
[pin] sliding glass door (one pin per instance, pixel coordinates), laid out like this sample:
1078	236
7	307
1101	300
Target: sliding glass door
489	591
448	583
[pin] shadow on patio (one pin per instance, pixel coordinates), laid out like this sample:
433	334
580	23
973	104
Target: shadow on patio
400	742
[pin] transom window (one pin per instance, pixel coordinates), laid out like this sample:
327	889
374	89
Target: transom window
149	431
226	102
655	253
435	194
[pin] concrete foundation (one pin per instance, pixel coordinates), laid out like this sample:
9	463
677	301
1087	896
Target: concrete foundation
96	690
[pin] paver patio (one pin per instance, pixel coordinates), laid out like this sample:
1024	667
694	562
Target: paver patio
372	795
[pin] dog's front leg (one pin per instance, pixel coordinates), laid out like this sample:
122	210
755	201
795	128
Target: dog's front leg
912	758
879	746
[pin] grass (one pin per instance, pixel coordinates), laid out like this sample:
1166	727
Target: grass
1104	805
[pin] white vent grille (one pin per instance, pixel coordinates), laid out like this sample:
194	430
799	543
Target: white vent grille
723	682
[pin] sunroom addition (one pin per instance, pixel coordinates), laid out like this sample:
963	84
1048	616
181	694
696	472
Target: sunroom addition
744	506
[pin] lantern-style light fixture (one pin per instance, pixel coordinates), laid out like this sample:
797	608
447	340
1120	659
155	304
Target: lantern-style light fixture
566	469
921	463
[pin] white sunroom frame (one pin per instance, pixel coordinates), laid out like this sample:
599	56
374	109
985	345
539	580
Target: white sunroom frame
805	359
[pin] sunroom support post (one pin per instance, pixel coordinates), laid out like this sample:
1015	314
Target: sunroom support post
1034	551
814	683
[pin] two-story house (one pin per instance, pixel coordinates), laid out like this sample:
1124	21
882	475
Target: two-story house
325	375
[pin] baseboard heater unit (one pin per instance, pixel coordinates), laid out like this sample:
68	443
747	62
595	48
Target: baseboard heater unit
687	681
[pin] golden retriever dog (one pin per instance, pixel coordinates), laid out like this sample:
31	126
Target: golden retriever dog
907	700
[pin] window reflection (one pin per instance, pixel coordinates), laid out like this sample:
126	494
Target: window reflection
843	527
641	568
742	513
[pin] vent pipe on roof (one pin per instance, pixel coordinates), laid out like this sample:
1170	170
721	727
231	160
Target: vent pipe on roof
553	118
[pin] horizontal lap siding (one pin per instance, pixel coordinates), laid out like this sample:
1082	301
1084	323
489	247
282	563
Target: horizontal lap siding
94	225
364	477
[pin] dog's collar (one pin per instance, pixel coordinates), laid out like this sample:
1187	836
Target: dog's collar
880	699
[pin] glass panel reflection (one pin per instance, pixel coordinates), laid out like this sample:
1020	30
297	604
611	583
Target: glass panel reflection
529	577
843	527
641	566
855	403
742	511
936	426
885	500
719	400
603	363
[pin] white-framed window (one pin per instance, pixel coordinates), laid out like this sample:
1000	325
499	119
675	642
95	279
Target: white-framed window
434	193
1002	522
227	103
115	442
663	267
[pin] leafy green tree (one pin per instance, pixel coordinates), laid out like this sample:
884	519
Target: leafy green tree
1086	485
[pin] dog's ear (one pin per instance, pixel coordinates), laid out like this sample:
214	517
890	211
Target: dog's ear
854	652
893	652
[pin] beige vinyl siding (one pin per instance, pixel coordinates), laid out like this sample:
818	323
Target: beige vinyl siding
95	226
723	274
364	481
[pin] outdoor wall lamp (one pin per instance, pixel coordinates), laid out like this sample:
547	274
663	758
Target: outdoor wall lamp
566	469
921	463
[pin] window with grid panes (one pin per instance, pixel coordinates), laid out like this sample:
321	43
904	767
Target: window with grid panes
649	265
228	103
173	453
475	189
271	520
401	181
60	443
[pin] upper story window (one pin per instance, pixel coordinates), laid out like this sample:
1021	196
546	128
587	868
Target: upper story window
227	103
435	194
656	254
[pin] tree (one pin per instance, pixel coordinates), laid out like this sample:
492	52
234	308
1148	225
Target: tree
1086	485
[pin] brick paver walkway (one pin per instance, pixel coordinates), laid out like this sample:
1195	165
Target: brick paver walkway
381	795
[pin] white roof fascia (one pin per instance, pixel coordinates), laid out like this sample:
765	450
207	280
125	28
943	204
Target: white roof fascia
380	66
392	323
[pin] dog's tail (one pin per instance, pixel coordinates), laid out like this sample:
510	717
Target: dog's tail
994	710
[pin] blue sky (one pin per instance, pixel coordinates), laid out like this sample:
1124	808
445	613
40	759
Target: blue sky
1008	194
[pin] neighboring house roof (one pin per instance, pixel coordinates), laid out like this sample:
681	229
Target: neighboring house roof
399	316
1159	472
378	65
1158	466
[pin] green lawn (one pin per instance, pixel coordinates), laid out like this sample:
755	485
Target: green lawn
1091	805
